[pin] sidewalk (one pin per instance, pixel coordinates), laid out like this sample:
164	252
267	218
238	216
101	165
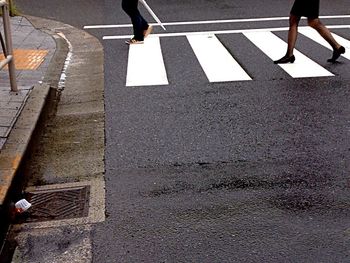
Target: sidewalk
33	51
20	111
53	58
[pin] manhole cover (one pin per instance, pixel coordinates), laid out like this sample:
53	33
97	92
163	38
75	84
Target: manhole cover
58	204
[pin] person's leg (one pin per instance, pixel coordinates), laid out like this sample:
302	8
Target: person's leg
292	38
292	34
316	24
138	22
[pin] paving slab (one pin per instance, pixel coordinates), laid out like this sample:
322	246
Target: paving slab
33	50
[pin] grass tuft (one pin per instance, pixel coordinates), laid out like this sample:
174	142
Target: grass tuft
12	9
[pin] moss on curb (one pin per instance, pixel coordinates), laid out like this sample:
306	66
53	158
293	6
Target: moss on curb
12	9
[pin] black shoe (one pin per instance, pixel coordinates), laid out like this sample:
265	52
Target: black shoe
336	54
285	60
133	41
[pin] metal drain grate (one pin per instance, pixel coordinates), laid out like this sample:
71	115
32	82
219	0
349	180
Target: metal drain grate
58	204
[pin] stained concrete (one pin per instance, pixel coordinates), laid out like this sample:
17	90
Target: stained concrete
70	150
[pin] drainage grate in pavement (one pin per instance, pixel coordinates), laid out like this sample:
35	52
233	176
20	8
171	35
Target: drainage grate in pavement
58	204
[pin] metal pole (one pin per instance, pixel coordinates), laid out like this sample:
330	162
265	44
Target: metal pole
3	45
9	51
152	13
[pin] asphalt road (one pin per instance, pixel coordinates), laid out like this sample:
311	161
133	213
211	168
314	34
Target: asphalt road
248	171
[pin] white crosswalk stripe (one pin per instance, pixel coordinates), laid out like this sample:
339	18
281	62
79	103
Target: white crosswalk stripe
146	65
315	36
216	61
274	48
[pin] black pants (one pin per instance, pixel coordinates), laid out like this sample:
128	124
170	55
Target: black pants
138	22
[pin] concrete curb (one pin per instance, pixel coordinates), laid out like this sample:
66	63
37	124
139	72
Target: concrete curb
73	142
15	147
21	136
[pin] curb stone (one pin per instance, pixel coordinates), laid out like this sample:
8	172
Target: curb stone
75	130
17	146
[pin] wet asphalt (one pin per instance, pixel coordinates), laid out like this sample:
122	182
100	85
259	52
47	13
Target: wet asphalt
251	171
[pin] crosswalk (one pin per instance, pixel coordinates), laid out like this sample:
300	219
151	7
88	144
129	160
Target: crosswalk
146	63
273	47
217	63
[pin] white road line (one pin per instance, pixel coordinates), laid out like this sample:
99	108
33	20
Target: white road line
194	22
216	61
211	22
220	32
275	48
145	65
315	36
